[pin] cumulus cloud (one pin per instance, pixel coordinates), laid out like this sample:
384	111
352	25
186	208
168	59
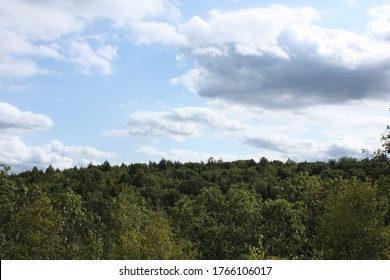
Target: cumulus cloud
14	120
276	57
256	27
80	155
15	152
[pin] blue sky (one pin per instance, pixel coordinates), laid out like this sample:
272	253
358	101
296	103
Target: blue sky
134	81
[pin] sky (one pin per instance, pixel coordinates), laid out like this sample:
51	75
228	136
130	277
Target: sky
136	81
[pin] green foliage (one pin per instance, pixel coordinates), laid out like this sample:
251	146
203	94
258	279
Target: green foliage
35	231
222	226
386	141
201	220
283	229
140	233
244	209
79	233
353	224
260	253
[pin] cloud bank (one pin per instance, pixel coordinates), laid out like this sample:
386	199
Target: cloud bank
275	80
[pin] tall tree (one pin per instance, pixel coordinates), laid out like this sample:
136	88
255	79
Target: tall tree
353	224
222	226
283	230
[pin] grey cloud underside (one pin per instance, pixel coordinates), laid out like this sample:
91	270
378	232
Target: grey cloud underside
275	82
39	123
263	143
337	151
295	148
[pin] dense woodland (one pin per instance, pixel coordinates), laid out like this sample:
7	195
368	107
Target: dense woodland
244	209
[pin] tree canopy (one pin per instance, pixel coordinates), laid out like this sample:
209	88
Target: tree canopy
215	210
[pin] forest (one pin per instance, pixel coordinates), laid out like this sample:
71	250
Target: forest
245	209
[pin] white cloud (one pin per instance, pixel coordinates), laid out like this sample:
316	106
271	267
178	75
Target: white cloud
205	116
48	20
16	121
120	11
149	32
39	20
89	59
15	152
20	68
80	155
15	50
379	25
177	123
257	26
151	152
189	80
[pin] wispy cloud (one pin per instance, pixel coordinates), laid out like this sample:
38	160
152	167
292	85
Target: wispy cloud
88	58
177	123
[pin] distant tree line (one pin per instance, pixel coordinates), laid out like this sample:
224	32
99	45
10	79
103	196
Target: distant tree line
244	209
